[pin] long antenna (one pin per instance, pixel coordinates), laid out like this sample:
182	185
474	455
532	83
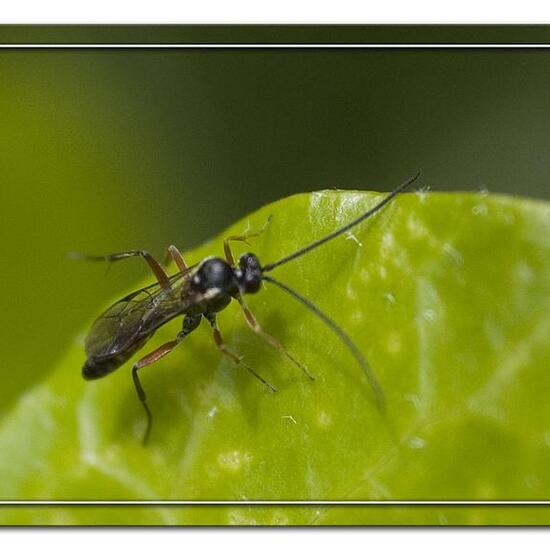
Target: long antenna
346	340
347	227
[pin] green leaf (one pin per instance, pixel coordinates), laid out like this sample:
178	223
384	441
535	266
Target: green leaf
448	297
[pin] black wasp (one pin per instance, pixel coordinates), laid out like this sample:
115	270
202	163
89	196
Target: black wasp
198	291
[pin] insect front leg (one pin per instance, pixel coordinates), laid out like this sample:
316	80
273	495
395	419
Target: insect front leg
190	323
272	341
242	238
220	344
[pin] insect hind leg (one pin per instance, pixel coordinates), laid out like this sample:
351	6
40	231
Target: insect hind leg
222	347
154	265
190	323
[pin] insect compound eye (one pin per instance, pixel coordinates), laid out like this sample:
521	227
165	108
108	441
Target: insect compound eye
215	273
250	273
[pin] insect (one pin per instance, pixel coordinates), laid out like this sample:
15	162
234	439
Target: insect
201	291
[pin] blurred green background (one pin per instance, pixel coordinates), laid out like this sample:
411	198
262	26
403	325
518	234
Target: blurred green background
108	150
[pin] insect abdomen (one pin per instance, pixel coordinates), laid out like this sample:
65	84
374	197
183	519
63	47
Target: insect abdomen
97	367
93	369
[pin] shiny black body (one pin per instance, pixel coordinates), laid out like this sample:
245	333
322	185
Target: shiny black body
204	290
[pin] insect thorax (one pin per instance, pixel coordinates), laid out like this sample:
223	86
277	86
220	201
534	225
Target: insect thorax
215	278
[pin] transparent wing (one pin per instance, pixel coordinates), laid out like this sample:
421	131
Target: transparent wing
136	316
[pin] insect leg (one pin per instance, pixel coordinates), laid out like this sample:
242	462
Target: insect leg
242	238
155	266
190	323
255	326
220	343
172	252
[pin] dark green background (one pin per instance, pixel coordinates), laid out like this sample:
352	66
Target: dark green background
107	150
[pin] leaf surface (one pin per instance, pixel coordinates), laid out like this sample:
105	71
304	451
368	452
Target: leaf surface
446	295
